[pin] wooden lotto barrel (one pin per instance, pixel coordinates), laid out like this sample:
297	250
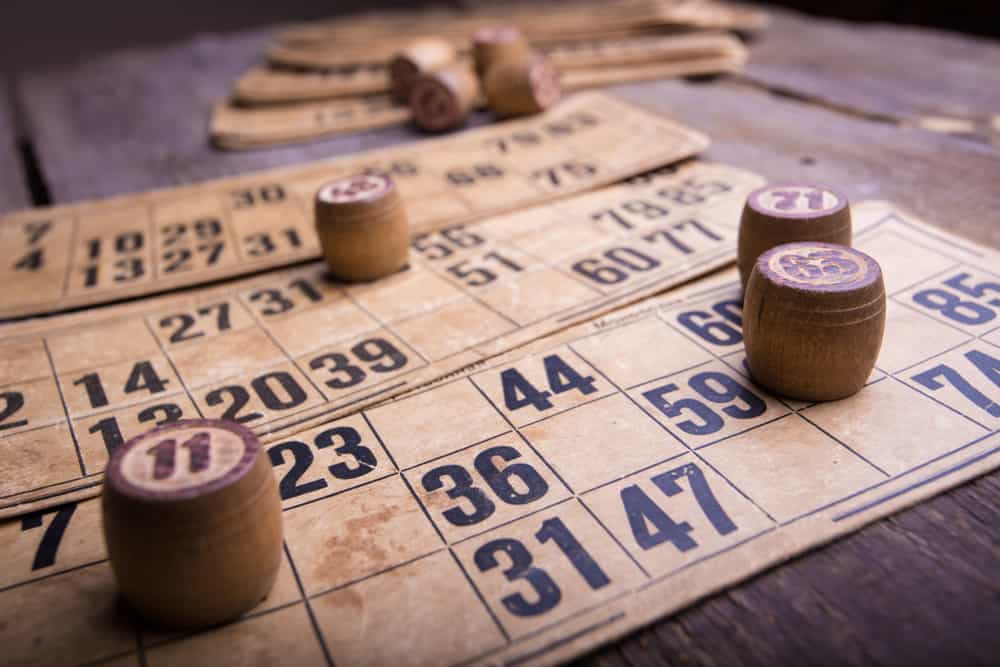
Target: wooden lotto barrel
362	227
192	520
443	99
813	320
417	58
496	44
787	213
521	87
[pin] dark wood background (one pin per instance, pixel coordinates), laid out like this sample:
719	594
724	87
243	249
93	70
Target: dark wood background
40	33
821	100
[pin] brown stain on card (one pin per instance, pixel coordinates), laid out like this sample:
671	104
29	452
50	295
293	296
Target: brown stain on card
357	540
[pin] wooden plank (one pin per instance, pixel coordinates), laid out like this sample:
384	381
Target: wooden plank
13	187
264	220
943	179
905	73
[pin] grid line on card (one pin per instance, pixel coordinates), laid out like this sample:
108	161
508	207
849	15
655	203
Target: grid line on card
894	234
614	538
664	377
309	610
471	294
288	357
385	325
939	401
163	641
154	239
335	406
375	575
795	411
562	641
482	599
173	367
692	450
49	486
71	261
898	476
154	246
519	517
378	437
908	306
230	226
560	622
286	419
726	288
440	535
65	407
568	409
645	285
456	451
32	430
917	283
520	435
52	575
340	492
842	443
893	217
666	576
733	360
927	480
930	358
426	512
639	471
744	431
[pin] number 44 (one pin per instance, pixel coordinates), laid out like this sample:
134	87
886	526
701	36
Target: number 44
518	392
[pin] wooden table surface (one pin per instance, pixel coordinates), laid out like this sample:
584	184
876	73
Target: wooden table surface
821	100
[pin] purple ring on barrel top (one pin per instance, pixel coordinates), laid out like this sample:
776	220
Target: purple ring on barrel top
829	265
754	201
326	194
115	476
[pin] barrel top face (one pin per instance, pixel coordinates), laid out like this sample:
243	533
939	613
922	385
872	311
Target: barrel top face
796	201
544	81
819	267
183	459
433	104
497	33
363	187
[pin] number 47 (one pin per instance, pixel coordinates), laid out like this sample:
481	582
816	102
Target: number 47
642	511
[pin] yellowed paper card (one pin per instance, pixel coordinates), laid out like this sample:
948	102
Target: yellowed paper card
564	495
292	348
97	252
